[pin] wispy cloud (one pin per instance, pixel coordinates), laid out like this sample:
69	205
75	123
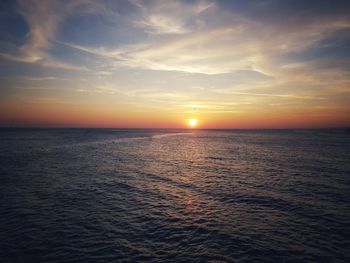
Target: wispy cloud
236	44
41	33
43	19
175	17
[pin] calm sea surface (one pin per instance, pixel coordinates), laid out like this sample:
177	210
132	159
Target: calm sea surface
105	195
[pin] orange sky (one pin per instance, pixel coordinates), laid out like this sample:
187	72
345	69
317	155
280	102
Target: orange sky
45	115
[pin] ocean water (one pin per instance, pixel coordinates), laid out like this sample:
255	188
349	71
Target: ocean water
114	195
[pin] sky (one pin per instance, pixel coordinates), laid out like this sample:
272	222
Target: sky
156	64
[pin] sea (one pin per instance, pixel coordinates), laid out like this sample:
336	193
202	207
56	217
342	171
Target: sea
162	195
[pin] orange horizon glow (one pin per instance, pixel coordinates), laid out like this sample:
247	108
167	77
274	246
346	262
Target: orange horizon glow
32	115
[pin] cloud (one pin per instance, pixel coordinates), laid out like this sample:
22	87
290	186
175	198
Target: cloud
201	37
175	17
220	50
194	37
41	33
160	24
43	19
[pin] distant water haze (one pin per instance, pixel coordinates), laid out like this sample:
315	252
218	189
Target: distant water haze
107	195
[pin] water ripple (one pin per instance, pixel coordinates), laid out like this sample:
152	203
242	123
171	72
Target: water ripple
174	196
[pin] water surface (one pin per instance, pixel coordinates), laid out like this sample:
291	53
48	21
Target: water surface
102	195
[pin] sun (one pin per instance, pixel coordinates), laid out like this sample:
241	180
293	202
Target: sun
192	123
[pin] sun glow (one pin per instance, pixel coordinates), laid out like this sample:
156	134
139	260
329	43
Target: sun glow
192	123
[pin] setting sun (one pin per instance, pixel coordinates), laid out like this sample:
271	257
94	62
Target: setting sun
192	123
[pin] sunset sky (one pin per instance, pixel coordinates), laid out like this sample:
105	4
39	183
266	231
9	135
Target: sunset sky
226	64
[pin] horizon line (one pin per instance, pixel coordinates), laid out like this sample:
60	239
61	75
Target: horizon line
174	128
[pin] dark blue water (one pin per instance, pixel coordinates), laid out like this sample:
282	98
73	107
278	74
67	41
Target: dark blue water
174	196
